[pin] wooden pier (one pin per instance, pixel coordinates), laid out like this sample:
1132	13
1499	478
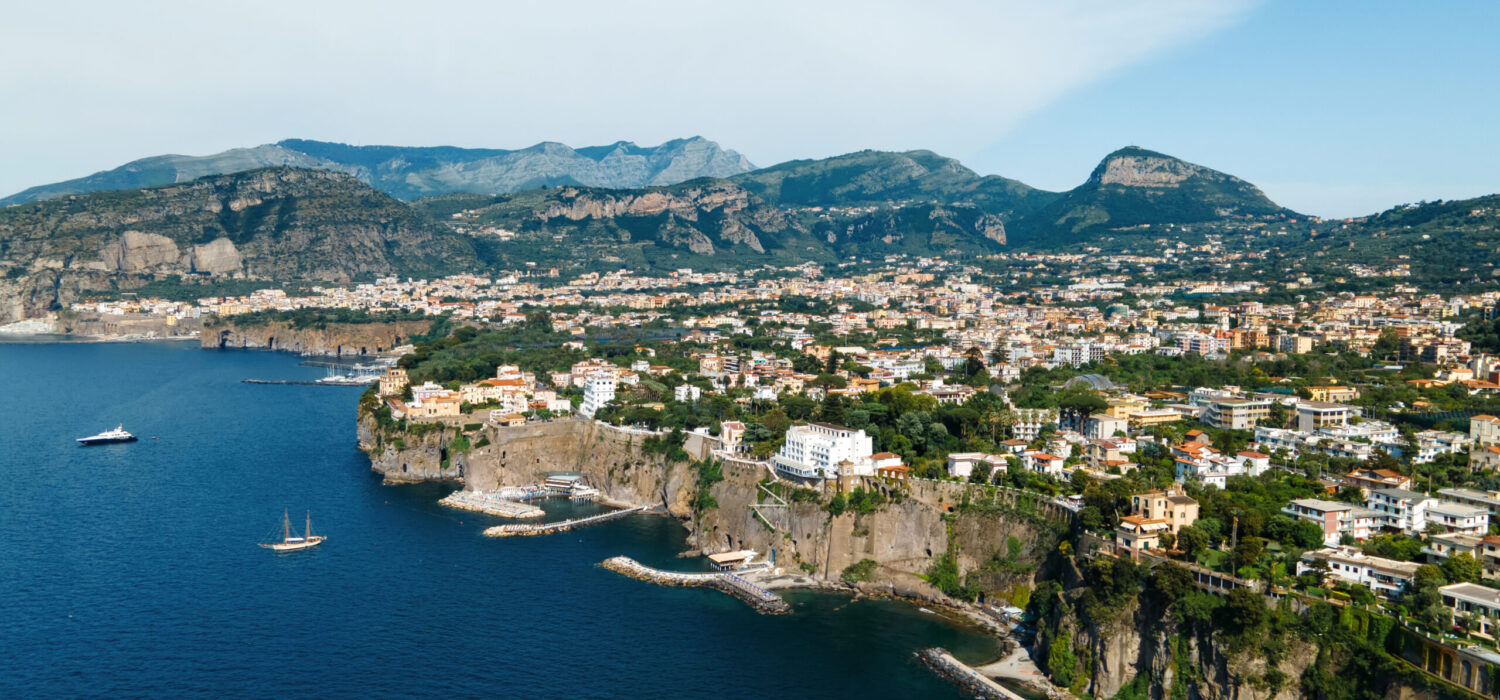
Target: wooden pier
759	598
561	526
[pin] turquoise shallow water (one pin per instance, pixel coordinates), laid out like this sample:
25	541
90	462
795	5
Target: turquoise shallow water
132	571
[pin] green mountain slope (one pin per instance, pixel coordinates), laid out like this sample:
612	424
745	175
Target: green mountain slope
412	172
274	223
870	177
1133	187
1445	244
708	223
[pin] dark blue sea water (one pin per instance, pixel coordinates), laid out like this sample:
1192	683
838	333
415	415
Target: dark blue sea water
132	571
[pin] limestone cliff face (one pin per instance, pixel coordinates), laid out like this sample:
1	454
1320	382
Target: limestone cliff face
1144	171
1178	661
135	325
903	537
332	339
409	458
275	223
135	251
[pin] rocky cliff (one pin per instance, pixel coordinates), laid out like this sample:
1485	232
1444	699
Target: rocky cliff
718	224
903	537
325	339
277	223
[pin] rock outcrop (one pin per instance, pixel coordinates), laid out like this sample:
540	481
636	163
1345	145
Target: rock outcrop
902	537
217	257
278	223
135	251
335	339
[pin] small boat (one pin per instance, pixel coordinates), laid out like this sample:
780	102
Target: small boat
289	543
108	436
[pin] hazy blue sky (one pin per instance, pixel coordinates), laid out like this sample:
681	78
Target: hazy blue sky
1332	107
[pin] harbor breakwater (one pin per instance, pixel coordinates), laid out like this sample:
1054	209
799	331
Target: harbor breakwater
527	530
971	682
759	598
491	503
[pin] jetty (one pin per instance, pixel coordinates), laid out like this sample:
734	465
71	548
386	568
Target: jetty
496	503
525	530
295	382
970	681
759	598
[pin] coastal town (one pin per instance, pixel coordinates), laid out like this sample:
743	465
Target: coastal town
1341	447
995	350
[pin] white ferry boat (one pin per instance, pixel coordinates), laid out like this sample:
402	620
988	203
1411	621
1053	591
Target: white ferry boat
108	436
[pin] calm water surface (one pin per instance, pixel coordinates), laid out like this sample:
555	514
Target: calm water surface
132	571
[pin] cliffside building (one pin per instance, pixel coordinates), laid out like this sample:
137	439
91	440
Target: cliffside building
815	451
598	390
393	381
1174	506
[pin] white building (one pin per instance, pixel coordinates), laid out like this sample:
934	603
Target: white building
1459	518
961	464
1029	423
687	392
1401	509
1386	577
1336	519
1314	415
598	390
816	450
1482	602
1103	426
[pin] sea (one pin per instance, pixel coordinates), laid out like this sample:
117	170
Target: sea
132	570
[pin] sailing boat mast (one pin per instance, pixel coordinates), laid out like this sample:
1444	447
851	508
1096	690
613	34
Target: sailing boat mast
308	532
286	526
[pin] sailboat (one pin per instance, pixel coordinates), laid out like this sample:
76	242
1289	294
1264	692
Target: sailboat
289	543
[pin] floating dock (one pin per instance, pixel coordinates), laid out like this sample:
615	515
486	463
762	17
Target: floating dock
493	503
759	598
561	526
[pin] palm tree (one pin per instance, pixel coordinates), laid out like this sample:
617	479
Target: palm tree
999	418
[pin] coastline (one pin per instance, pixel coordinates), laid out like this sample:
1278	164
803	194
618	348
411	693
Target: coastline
69	338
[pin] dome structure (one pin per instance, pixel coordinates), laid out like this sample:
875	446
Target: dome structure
1097	382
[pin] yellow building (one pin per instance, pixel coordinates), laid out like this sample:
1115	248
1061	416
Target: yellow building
1172	506
393	381
1332	394
1137	534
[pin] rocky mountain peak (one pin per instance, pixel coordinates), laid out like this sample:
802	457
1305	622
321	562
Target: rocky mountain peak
1138	167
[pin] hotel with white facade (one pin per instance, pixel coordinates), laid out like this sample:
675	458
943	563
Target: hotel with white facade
816	450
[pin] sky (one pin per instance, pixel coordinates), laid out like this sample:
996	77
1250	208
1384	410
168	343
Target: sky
1334	108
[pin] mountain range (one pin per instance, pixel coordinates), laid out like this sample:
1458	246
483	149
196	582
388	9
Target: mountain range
413	172
348	221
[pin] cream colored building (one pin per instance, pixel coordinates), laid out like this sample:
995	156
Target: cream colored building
1173	506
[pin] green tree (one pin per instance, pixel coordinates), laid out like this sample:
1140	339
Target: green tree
1463	567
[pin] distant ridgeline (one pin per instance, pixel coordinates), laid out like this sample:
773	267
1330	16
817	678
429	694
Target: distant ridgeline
320	215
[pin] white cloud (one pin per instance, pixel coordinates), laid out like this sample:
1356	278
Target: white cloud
90	85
